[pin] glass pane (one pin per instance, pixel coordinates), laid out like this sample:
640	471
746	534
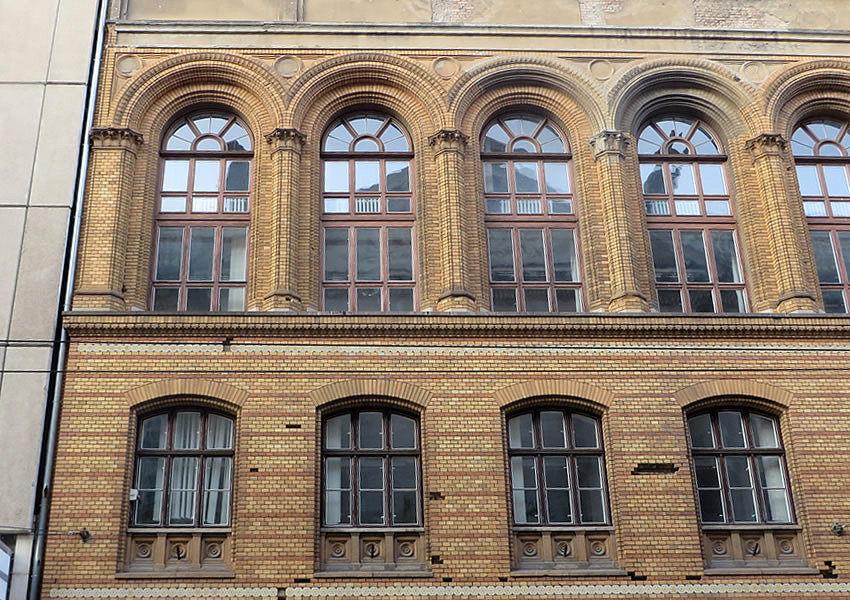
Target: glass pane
536	300
663	256
504	300
169	253
525	506
401	299
498	206
584	432
236	175
187	431
204	204
495	139
521	434
337	486
233	253
560	206
776	506
701	301
550	140
201	254
557	178
154	430
649	141
149	482
231	299
568	300
764	432
732	301
398	205
217	490
711	506
589	470
558	504
563	255
525	178
500	244
371	430
338	432
824	257
206	175
371	507
592	506
678	148
717	208
366	145
337	507
706	472
371	473
840	209
844	245
366	176
725	257
552	424
525	146
670	301
392	133
807	176
687	208
398	176
369	204
682	177
151	473
336	299
833	301
184	476
402	432
532	254
404	473
836	180
652	179
172	204
404	507
368	299
731	429
738	471
496	177
237	139
338	139
336	254
814	209
693	249
175	176
165	299
336	176
713	183
700	431
657	207
219	432
770	472
743	506
529	206
235	204
400	254
675	127
368	254
556	472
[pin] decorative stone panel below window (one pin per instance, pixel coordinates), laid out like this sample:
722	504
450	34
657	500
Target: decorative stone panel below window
380	551
565	551
175	552
753	548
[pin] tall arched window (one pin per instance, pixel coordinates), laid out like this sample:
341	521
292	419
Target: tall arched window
821	149
368	205
691	218
530	216
202	215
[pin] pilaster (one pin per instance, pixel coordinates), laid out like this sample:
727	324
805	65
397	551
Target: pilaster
609	149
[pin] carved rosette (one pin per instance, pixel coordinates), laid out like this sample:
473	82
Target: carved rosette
766	144
289	139
448	140
610	143
115	137
752	548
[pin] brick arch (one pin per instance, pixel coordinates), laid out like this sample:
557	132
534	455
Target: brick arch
215	391
707	393
207	71
806	89
595	397
687	85
507	73
388	388
358	73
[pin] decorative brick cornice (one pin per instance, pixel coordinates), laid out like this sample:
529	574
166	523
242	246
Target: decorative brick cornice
115	137
609	142
286	139
766	144
448	140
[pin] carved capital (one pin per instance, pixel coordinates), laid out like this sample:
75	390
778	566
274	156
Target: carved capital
766	144
115	137
608	142
286	139
448	140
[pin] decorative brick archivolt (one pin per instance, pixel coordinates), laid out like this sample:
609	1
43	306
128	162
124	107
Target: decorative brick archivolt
806	89
233	397
387	388
598	398
763	394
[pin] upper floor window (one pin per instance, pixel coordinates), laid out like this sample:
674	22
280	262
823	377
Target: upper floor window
202	215
184	469
368	204
557	469
739	467
821	149
530	216
690	214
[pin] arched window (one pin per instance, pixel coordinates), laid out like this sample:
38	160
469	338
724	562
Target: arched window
739	468
691	219
368	204
184	469
202	215
821	149
530	216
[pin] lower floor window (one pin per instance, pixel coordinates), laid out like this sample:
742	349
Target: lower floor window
832	259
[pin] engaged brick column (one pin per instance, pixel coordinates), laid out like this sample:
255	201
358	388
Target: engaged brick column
100	274
449	146
286	147
609	149
794	292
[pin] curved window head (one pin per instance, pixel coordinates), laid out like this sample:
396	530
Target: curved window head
202	215
368	205
821	149
689	209
529	208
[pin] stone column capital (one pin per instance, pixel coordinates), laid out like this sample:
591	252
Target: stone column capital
766	144
286	138
609	142
115	137
448	140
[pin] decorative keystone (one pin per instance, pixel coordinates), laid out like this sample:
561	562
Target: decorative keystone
448	140
766	143
286	139
610	142
115	137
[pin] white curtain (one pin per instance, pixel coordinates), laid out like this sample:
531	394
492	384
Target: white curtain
217	490
184	476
